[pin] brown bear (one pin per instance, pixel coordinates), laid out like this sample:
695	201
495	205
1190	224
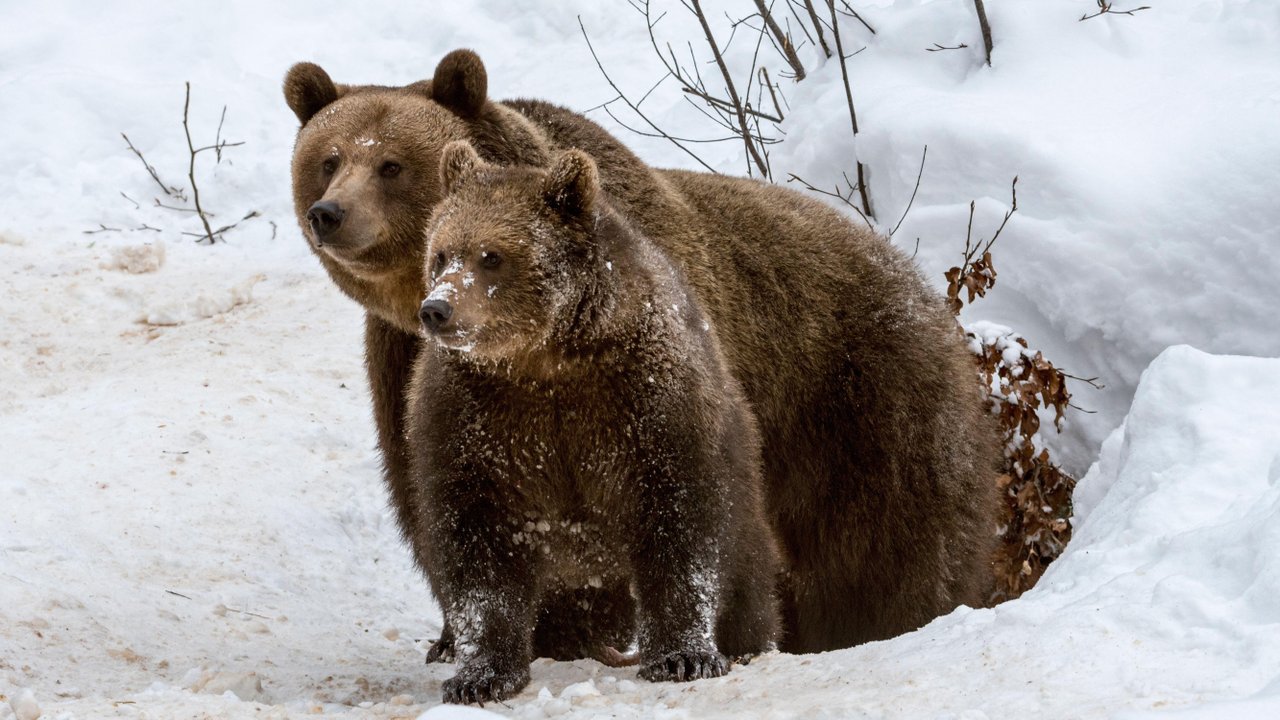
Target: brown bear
574	424
365	179
878	459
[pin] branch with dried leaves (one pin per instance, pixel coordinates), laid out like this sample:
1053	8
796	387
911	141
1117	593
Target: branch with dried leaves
1035	525
976	273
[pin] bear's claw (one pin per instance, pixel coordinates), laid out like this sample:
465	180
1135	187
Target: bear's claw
684	666
483	687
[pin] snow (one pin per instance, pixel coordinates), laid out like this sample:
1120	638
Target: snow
191	519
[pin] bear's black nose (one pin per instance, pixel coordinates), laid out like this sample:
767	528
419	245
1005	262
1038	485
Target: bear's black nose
434	314
325	218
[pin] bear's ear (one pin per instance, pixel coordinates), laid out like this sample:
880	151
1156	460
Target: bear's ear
572	183
458	161
460	83
308	89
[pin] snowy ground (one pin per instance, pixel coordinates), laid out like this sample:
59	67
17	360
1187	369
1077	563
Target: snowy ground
191	522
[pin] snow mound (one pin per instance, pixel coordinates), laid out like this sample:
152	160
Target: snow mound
137	259
202	305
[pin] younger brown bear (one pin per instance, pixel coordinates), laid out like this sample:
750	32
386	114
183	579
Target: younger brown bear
574	424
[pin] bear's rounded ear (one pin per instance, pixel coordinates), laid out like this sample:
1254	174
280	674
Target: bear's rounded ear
308	89
460	83
572	183
458	161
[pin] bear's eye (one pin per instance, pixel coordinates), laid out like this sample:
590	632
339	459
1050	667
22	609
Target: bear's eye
440	260
389	169
330	165
490	259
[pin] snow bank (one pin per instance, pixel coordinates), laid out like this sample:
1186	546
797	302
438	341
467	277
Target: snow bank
295	600
1145	148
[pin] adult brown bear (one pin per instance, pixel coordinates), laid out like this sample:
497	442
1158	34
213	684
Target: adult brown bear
878	459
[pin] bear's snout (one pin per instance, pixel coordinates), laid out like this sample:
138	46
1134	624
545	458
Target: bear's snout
435	314
325	218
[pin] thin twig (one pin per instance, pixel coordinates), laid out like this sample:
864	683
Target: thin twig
850	11
222	230
634	108
217	147
191	166
167	189
1092	382
136	206
845	198
986	28
936	47
217	137
919	175
187	597
1104	8
768	84
101	229
179	209
971	250
729	106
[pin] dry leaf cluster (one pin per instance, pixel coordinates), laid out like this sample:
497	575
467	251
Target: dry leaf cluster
1035	525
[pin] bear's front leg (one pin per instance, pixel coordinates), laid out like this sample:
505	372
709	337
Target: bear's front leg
676	563
488	587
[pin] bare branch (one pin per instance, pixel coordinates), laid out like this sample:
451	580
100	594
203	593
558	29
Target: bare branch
167	189
986	28
783	40
850	11
217	147
853	116
817	27
844	197
1092	382
217	137
622	96
179	209
913	197
1105	8
191	166
222	230
136	206
752	151
768	85
729	106
936	47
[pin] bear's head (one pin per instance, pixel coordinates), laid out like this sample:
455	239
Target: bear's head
513	255
366	170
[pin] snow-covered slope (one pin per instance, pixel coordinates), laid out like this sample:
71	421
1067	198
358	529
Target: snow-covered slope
189	499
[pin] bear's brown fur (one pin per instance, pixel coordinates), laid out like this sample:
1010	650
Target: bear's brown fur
879	463
574	424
